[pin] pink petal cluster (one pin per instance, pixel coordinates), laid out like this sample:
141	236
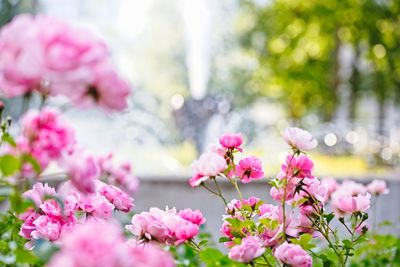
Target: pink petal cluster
250	248
378	187
44	136
83	171
193	216
344	194
117	197
48	221
101	243
249	169
299	139
166	227
351	204
47	55
118	175
231	141
208	165
293	255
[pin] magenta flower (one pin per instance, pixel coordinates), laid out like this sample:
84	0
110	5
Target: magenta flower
297	167
249	169
250	248
293	255
231	141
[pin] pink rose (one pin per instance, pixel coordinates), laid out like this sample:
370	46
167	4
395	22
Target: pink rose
350	204
209	164
185	231
20	70
249	169
148	256
297	167
294	255
250	248
378	187
331	186
27	226
47	228
83	171
193	216
299	139
39	192
117	197
231	141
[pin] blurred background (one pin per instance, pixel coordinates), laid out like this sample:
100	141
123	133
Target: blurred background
200	68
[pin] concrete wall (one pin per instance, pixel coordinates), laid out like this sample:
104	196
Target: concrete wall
177	193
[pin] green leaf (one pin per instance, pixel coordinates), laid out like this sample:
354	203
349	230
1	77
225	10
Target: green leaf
224	239
329	217
24	256
8	139
9	164
34	163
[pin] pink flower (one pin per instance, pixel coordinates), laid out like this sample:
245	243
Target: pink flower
83	171
231	141
120	175
95	205
208	165
249	169
39	192
297	167
117	197
27	226
47	228
299	139
148	256
294	255
52	209
193	216
250	248
20	71
98	243
331	186
378	187
350	204
162	226
45	136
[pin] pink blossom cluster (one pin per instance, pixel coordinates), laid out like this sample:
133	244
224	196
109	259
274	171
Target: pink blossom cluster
101	243
56	213
51	57
44	137
250	225
166	226
217	161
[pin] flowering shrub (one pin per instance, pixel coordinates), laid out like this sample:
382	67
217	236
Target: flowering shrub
74	225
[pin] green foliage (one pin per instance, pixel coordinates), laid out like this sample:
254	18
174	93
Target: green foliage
213	257
12	251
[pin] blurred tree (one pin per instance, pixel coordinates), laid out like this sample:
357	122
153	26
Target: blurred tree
300	45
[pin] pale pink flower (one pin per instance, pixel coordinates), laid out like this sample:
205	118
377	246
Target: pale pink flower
193	216
294	255
82	170
350	204
95	205
352	188
117	197
52	209
249	169
208	165
39	192
185	231
250	248
20	70
378	187
147	255
299	139
331	186
231	141
95	243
